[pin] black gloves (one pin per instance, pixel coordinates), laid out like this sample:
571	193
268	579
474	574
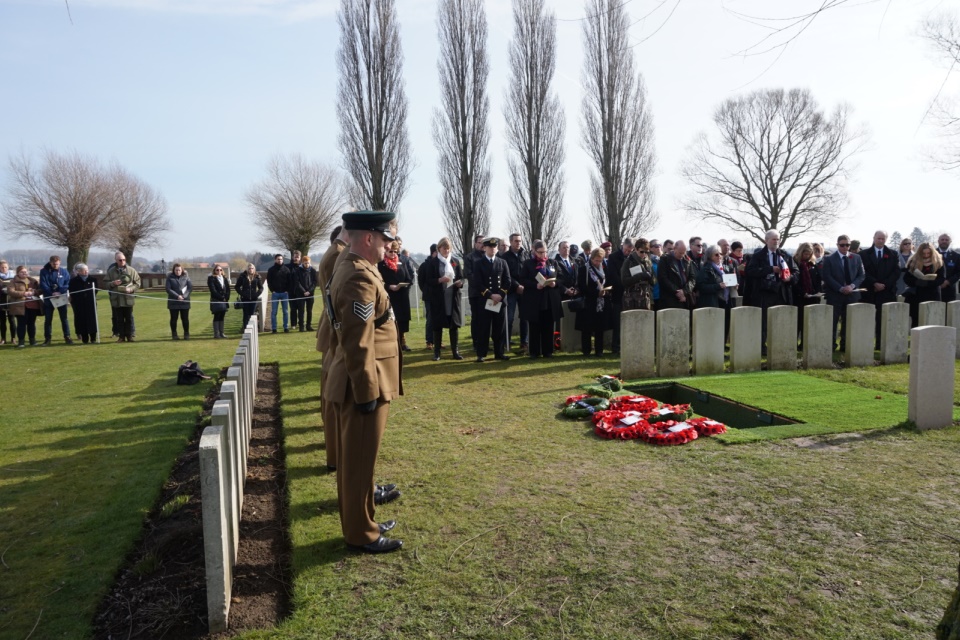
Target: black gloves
367	407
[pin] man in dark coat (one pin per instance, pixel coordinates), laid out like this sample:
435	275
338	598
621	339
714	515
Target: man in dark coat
473	295
615	262
881	267
676	279
491	279
306	277
515	256
54	283
296	292
279	279
951	268
842	273
767	270
428	325
567	271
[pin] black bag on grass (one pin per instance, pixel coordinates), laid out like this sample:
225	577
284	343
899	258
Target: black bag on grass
190	373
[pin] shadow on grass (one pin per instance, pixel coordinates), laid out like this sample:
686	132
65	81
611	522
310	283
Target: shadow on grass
307	448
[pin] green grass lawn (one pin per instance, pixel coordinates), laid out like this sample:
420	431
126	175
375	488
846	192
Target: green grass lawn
90	433
516	524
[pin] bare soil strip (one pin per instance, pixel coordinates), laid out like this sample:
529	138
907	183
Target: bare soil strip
160	592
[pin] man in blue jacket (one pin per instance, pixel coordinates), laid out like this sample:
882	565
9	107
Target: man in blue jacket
54	282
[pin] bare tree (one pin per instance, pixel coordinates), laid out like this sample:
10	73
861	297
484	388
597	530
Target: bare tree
942	31
617	126
461	130
372	103
140	219
64	203
777	163
535	125
298	203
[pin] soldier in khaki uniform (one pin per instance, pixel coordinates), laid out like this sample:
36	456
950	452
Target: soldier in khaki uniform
364	375
326	342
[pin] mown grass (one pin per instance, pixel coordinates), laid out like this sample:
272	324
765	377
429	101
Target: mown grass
516	524
90	433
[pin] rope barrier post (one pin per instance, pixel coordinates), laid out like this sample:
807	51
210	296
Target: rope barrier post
96	316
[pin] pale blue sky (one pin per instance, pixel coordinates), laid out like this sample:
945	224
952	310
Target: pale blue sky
194	96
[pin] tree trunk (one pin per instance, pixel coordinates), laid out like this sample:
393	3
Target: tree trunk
949	627
75	255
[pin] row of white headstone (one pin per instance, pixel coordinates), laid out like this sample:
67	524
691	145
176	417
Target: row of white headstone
674	342
223	469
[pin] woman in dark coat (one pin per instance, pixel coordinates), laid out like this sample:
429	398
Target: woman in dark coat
397	280
540	302
808	285
713	293
442	283
925	261
249	286
596	315
179	288
219	299
82	291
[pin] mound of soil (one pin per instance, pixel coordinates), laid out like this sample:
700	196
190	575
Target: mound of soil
161	591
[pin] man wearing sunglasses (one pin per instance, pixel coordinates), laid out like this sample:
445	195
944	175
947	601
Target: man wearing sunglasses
842	274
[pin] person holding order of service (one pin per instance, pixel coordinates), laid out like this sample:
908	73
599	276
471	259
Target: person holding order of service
540	305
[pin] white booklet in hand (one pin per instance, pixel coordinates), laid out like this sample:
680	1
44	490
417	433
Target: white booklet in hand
730	279
493	306
58	301
637	270
544	280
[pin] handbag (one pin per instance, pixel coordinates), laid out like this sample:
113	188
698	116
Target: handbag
219	306
575	304
190	373
237	304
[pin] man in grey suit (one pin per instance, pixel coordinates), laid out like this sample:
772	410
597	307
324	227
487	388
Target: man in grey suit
842	273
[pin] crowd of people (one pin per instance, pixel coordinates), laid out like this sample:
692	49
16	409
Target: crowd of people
505	282
509	285
24	298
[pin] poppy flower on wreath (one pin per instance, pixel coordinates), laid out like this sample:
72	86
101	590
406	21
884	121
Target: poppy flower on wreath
634	403
707	427
619	425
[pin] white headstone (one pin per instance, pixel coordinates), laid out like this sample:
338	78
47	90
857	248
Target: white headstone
953	320
782	338
221	418
229	392
216	534
708	341
932	313
745	325
673	343
894	332
932	371
860	330
637	344
817	331
569	336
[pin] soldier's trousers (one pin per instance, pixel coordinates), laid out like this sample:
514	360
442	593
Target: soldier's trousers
331	431
359	444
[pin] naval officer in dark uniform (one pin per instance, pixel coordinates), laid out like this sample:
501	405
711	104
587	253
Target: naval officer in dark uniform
491	278
364	375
